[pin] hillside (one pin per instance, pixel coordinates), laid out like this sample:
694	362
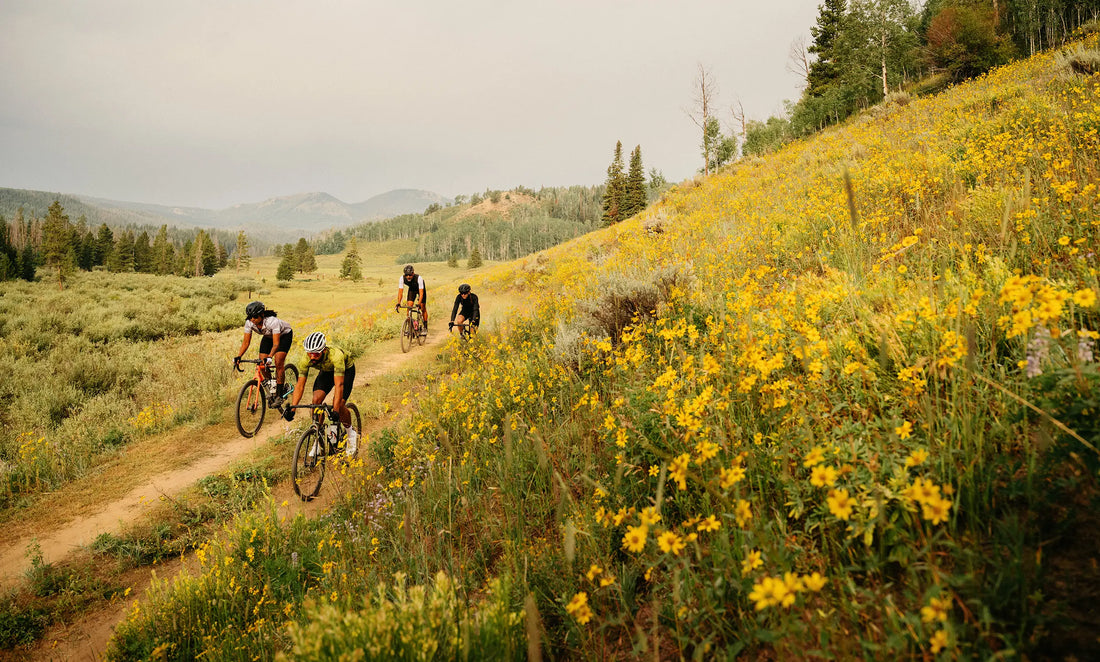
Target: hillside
834	403
287	217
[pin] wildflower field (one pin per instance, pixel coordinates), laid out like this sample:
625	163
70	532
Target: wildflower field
839	402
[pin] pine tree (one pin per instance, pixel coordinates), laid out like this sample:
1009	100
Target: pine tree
614	189
303	253
285	271
26	264
452	261
122	258
635	195
350	268
474	261
244	257
164	254
57	243
205	256
825	71
104	244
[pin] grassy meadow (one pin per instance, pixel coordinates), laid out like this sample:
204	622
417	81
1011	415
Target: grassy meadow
839	402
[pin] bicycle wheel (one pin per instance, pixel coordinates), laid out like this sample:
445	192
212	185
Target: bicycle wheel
290	379
406	334
356	424
309	464
420	334
251	407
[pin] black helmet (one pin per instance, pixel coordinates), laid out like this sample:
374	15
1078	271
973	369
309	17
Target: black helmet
409	270
464	288
254	309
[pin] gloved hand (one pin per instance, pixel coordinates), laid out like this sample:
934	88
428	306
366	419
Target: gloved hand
450	326
236	362
288	414
396	307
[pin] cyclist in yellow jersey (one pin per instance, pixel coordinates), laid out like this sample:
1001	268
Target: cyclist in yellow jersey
336	373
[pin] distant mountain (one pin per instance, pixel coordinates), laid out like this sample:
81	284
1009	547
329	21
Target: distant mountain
292	215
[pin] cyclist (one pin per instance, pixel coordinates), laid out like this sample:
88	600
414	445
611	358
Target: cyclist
277	337
335	370
413	284
466	309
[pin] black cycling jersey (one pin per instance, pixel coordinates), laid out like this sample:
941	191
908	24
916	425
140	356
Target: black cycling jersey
468	307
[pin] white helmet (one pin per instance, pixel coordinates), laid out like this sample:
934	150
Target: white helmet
314	342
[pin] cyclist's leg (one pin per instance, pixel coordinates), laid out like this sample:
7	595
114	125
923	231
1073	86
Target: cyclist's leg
285	341
424	307
266	345
459	319
321	386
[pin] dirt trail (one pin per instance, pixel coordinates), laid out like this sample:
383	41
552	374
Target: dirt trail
86	638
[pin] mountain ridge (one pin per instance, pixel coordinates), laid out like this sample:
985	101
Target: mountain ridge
292	214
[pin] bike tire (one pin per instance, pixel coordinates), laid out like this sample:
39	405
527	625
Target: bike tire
251	407
290	379
308	472
420	335
356	424
406	335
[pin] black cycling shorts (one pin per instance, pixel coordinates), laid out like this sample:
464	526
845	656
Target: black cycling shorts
284	343
423	299
326	380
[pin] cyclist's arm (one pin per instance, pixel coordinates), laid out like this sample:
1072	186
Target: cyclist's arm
454	311
299	388
421	292
244	343
275	342
338	392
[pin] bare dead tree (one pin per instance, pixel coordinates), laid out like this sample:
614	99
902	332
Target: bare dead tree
798	60
740	122
706	90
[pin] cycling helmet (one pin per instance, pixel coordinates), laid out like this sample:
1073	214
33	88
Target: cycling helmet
254	309
409	270
314	342
464	288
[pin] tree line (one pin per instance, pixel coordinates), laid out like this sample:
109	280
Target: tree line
626	193
533	221
63	247
864	51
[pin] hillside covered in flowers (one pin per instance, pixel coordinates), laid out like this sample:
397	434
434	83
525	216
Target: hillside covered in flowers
838	402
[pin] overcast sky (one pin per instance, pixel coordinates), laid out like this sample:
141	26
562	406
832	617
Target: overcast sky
212	103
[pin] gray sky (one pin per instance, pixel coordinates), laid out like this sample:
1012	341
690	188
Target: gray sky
212	103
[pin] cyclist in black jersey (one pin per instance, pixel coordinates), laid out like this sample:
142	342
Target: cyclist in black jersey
466	309
415	294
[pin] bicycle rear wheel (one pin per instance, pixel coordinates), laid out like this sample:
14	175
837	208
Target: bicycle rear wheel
406	334
251	407
420	333
309	464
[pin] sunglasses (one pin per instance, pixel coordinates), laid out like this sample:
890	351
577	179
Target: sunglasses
313	355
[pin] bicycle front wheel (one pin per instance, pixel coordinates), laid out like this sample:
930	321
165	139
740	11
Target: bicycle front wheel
290	379
309	464
406	334
251	407
420	333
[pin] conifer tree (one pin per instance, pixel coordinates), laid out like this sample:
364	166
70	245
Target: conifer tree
57	243
474	261
285	272
164	254
452	261
244	256
825	71
614	189
350	268
122	257
104	245
303	254
635	195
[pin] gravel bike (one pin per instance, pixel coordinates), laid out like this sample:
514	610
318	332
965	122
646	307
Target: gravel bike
413	328
258	394
325	436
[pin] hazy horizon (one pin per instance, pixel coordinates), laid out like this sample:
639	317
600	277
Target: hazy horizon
211	105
